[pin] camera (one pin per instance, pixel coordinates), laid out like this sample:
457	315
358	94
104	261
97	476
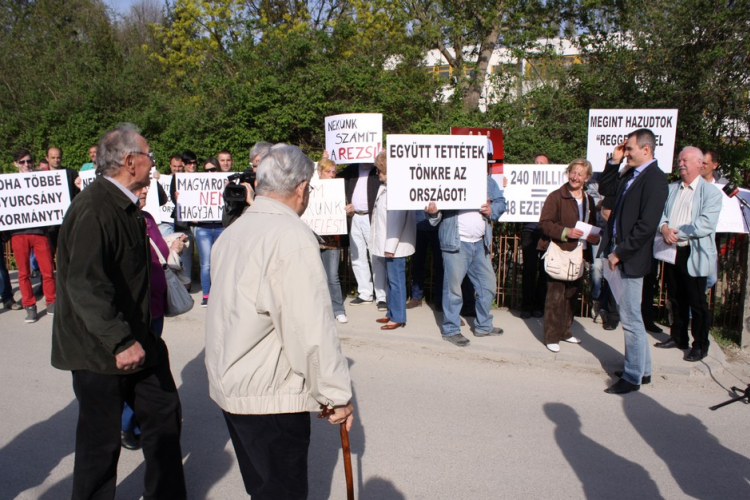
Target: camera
235	192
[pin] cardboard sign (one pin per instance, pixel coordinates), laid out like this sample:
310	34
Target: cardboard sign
610	127
354	138
87	177
325	212
201	196
152	201
730	218
166	209
34	199
528	188
450	170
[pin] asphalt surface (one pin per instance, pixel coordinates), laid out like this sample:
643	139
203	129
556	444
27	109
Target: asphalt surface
502	418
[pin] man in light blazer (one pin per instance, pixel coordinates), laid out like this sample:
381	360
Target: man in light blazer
640	191
689	223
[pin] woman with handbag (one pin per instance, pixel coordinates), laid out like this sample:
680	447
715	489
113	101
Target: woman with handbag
130	435
565	251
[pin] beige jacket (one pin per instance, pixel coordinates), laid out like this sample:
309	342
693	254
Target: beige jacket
271	340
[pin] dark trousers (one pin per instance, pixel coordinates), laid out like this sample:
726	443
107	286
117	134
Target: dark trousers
648	294
425	240
534	277
272	453
153	396
558	310
687	294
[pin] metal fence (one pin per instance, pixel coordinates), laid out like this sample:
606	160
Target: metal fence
725	298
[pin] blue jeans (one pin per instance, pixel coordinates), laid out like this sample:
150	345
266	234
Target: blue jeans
33	263
128	417
395	270
474	260
637	350
205	237
596	274
331	260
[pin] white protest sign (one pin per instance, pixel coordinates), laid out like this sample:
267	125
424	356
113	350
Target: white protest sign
152	201
325	212
528	188
610	127
730	218
87	177
450	170
166	209
201	196
33	199
354	138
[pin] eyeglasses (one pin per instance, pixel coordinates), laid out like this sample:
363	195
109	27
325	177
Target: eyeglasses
151	156
25	162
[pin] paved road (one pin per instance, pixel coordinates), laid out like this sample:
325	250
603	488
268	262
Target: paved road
501	419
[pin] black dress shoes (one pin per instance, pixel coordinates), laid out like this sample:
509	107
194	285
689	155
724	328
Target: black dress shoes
130	441
525	314
622	387
669	344
696	354
644	381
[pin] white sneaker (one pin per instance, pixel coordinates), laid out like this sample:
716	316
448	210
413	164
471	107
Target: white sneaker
573	340
341	318
553	347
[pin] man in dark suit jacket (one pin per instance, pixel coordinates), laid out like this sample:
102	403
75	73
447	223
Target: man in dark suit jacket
640	192
359	205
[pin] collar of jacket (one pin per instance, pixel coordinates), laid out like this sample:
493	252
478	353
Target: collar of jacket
118	196
266	205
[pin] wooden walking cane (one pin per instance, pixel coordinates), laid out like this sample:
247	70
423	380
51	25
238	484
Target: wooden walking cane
347	462
325	412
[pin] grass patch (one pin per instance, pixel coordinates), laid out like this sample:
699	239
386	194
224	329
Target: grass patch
726	337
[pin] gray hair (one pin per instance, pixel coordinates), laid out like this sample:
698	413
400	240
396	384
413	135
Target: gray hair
282	169
114	146
261	148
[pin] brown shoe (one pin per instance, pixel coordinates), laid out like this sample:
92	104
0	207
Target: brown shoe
412	303
382	320
392	326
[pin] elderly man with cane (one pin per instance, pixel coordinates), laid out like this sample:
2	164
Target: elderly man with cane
272	351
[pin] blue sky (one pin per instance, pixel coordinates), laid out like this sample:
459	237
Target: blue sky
121	6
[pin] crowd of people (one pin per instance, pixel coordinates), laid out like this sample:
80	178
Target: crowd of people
272	349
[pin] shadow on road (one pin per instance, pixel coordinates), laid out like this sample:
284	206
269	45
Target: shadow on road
27	460
602	473
700	465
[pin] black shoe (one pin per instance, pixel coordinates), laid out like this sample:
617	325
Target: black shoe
696	354
382	306
668	344
538	314
130	441
622	387
31	315
359	301
12	305
457	340
652	328
525	314
644	381
610	326
493	333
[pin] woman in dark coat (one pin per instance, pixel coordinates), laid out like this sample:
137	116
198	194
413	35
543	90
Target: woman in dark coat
562	210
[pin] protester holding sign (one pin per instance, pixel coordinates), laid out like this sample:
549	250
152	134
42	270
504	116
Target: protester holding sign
206	234
465	239
562	210
361	185
330	253
392	236
24	241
